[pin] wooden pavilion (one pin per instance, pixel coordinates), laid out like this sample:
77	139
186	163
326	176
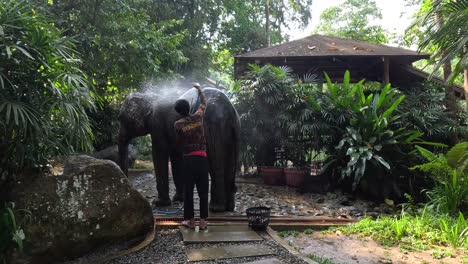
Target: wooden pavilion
318	54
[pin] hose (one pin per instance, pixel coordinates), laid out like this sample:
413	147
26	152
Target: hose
156	211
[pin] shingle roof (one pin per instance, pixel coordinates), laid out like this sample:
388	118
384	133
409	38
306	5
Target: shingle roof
323	46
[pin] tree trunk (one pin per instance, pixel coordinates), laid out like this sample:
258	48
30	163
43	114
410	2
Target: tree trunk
446	68
267	25
465	85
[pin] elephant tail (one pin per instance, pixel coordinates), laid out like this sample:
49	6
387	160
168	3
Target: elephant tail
236	156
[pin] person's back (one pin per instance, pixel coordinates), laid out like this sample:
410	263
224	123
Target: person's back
191	136
190	130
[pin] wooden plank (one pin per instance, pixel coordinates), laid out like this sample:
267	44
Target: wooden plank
237	251
266	261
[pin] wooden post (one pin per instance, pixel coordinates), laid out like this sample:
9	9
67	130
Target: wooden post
386	70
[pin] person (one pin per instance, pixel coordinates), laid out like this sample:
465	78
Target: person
191	136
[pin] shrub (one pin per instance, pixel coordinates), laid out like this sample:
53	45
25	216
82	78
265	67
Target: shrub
260	98
44	94
450	173
424	110
455	232
359	132
11	232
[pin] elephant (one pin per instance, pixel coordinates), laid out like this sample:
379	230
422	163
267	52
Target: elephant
146	113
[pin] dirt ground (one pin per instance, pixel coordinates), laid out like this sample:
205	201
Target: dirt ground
342	249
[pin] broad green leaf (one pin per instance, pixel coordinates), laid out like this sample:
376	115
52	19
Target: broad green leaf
392	108
383	95
314	104
25	52
457	156
350	151
346	80
426	153
8	50
414	135
382	161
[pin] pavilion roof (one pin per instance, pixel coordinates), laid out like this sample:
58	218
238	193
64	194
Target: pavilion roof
326	46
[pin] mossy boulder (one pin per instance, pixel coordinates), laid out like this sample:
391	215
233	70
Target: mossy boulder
83	203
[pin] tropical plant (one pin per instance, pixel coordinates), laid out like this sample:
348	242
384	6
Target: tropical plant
423	110
450	173
358	128
456	232
444	22
44	95
11	232
260	98
419	231
300	138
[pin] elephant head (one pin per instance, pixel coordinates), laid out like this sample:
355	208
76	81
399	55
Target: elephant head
134	117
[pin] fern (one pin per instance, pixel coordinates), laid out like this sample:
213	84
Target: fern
449	172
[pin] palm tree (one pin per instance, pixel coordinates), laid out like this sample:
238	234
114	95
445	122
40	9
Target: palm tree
43	94
450	37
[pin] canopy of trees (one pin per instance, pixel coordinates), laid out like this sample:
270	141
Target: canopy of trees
354	19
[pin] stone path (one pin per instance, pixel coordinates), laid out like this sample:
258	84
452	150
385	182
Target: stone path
217	235
227	252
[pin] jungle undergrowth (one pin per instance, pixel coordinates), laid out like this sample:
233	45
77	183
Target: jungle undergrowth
413	232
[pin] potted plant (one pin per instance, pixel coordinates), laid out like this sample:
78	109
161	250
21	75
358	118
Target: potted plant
295	177
271	175
274	175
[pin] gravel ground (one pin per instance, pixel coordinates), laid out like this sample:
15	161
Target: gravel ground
168	248
283	200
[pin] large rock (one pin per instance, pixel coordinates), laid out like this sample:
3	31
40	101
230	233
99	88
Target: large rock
112	153
84	203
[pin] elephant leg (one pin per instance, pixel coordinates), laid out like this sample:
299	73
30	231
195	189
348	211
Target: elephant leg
160	161
177	164
123	150
230	171
216	153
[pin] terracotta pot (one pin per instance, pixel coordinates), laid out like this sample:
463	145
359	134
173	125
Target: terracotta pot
295	176
271	175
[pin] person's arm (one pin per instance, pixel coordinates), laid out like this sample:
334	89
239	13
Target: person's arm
202	106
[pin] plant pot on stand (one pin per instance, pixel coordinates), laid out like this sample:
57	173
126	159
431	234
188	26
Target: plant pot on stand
271	175
295	176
